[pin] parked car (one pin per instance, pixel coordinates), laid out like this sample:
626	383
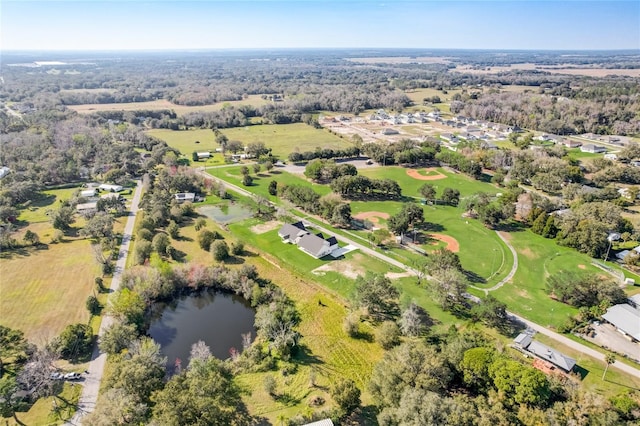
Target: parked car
57	376
72	376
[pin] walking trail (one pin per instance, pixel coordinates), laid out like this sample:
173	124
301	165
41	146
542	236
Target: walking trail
91	386
511	273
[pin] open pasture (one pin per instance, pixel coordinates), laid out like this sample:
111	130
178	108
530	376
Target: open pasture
284	139
45	289
253	100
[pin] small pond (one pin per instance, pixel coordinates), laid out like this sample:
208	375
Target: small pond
226	213
218	319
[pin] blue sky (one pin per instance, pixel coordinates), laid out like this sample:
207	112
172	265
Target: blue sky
166	24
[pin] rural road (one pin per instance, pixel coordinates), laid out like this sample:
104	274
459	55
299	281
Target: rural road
540	329
91	386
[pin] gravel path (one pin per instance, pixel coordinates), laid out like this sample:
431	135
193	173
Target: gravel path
91	385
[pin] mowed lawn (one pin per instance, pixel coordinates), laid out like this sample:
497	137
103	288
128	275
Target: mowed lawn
355	263
261	181
327	352
284	139
410	186
539	257
187	141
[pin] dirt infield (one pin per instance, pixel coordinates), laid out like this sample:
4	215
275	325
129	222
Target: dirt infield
432	174
452	243
373	217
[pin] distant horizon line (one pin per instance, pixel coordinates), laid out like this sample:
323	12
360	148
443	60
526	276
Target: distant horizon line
219	49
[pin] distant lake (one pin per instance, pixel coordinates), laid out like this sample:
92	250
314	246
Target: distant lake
218	319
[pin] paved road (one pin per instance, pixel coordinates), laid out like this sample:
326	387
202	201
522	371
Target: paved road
91	386
543	330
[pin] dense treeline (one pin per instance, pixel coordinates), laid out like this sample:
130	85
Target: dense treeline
461	379
581	111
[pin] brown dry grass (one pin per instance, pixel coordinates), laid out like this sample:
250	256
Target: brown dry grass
559	69
43	290
254	100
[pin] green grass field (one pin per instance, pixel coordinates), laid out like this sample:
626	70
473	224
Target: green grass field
284	139
281	138
410	186
538	257
261	181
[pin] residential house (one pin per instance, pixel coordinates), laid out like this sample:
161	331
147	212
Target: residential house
110	188
315	245
292	232
526	343
185	196
610	156
449	137
86	208
594	149
109	196
569	143
389	131
626	319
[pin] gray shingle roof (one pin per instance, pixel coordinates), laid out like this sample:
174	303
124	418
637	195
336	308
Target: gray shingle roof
554	357
312	244
291	230
625	318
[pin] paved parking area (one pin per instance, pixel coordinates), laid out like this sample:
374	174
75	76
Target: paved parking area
607	336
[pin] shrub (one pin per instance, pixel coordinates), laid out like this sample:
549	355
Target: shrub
346	394
205	238
237	248
220	250
270	385
388	334
93	306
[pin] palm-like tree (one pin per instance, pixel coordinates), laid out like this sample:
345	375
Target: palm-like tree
610	359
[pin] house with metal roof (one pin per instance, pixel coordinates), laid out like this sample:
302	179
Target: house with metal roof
526	343
626	319
323	422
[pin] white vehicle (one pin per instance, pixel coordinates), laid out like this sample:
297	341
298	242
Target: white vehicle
72	376
56	376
